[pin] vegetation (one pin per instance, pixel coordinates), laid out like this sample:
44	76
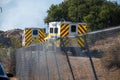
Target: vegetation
97	14
11	42
11	38
15	42
7	58
112	57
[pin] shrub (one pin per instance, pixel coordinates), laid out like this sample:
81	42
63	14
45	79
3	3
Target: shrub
7	58
111	59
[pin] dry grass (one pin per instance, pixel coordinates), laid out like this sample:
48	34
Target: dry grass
83	71
13	78
112	57
82	68
107	67
104	44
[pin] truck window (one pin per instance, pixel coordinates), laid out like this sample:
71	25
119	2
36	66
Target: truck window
73	28
56	30
35	32
51	30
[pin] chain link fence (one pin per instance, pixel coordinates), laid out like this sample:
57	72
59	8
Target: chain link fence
41	62
100	59
93	56
104	48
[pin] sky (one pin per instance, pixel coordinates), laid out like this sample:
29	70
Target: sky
24	13
19	14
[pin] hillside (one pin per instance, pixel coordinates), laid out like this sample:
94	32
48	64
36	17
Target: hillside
11	38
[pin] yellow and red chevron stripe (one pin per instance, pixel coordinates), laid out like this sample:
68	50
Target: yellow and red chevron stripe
66	42
82	29
28	36
64	30
41	35
27	43
81	42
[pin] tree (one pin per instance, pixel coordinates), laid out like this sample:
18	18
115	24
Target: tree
98	14
56	13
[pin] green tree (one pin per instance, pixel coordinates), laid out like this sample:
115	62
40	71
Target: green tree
97	14
56	12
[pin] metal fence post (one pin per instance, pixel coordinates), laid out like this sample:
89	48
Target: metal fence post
64	49
45	47
90	58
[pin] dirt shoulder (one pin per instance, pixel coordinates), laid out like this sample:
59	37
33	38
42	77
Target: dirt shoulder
82	69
